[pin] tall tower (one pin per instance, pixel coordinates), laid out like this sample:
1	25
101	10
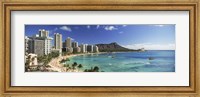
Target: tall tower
96	49
40	44
74	44
90	48
43	33
86	48
83	48
69	42
48	45
58	41
26	45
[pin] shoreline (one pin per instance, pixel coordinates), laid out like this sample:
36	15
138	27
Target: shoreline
74	55
59	67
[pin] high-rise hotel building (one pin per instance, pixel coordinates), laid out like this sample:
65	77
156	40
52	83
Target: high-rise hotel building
86	45
75	47
83	50
36	46
69	45
43	33
26	45
58	41
40	44
96	49
69	42
47	45
74	44
90	48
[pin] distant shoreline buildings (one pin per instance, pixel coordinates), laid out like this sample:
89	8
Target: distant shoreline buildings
41	44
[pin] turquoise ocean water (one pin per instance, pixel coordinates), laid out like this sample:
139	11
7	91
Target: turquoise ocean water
162	61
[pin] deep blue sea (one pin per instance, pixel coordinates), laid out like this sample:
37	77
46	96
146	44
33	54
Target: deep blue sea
149	61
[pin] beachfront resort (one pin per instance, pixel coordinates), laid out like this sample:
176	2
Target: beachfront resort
42	56
99	48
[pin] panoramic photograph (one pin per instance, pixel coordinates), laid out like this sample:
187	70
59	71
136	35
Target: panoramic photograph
100	48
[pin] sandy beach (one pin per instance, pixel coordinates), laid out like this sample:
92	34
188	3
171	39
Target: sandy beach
57	66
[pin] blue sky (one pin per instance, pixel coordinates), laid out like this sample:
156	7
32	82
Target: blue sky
152	37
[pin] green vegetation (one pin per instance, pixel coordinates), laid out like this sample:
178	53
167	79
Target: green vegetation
80	66
47	58
64	53
27	64
74	65
44	60
64	60
95	69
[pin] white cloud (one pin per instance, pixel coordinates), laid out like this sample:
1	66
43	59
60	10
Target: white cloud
88	27
124	25
71	38
149	46
121	32
98	26
110	28
66	28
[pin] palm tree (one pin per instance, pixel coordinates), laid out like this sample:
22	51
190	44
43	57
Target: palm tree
67	65
80	66
45	62
27	65
67	59
96	69
74	65
62	61
85	70
28	61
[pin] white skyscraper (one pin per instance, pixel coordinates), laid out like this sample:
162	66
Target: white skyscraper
43	33
36	46
90	48
40	44
77	50
26	45
47	45
83	48
47	40
58	41
96	49
74	44
69	48
69	42
86	48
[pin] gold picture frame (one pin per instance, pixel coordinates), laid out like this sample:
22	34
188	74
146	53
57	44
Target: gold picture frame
158	5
